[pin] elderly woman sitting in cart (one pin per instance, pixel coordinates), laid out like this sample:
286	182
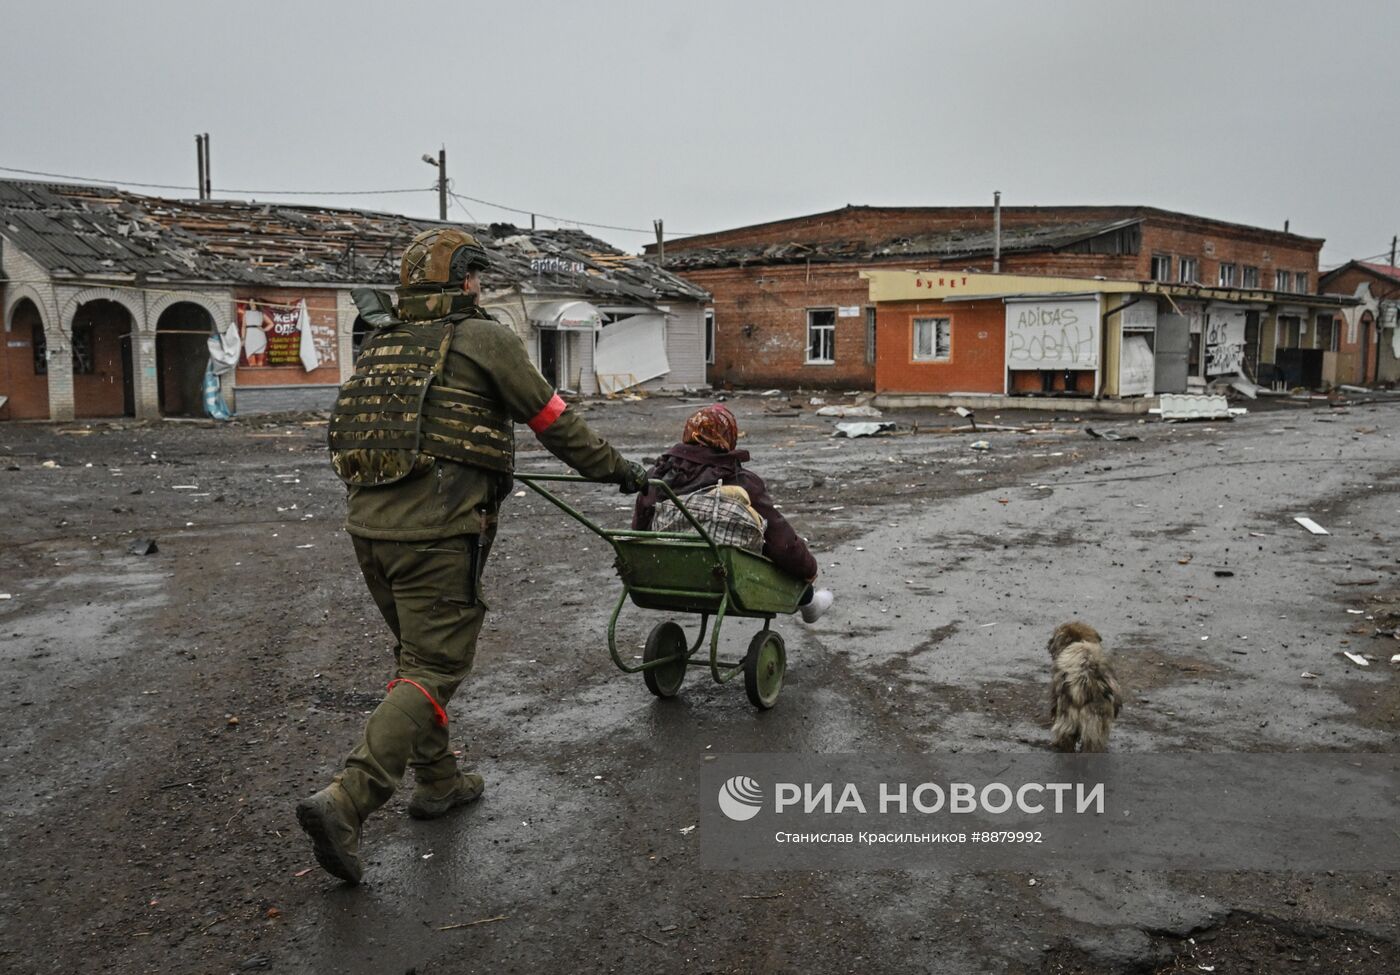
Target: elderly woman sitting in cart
707	462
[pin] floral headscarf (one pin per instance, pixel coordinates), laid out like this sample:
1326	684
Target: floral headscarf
712	426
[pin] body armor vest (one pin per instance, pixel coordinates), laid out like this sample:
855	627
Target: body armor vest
394	416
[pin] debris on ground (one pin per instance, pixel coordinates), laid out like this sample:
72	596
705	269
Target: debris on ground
868	411
1110	435
1311	525
143	546
854	430
980	445
1356	658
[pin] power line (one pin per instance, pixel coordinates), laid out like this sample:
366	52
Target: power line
221	189
580	223
431	189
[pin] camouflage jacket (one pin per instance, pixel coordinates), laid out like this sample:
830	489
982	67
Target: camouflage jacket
450	498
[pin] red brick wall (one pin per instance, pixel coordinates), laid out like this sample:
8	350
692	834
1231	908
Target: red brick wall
1214	244
761	326
28	392
103	391
320	305
977	353
1368	332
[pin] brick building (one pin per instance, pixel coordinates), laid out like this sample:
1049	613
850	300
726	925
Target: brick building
790	307
1367	336
108	300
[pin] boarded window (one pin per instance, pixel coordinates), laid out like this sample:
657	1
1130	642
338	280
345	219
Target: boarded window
821	336
933	339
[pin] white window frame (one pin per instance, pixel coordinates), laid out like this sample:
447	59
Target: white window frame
940	323
1185	265
1283	280
709	336
1166	276
1245	275
1233	276
831	336
1300	282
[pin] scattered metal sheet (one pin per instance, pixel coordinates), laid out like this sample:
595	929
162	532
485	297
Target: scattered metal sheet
864	411
854	430
1311	525
1193	406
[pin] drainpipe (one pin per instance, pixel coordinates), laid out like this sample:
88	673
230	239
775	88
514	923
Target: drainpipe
996	232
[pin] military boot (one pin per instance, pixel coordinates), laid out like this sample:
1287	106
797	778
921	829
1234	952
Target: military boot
331	820
433	799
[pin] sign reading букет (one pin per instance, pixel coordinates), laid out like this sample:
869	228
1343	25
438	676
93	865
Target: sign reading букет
1296	812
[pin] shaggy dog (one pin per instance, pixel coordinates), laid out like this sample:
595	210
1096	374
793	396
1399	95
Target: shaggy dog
1084	694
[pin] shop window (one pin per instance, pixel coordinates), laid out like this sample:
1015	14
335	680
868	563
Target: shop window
83	362
40	344
1283	281
1228	275
1188	270
933	339
710	337
1161	267
1249	277
821	336
870	336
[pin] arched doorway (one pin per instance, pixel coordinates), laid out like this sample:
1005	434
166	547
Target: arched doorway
102	380
182	355
24	365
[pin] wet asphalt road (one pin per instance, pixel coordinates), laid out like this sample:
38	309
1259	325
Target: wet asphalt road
950	567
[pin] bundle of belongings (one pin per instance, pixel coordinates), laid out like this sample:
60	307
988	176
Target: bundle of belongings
725	511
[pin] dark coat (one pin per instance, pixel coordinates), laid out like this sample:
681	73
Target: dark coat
688	467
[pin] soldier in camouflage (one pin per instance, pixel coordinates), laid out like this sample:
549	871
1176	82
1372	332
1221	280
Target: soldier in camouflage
422	436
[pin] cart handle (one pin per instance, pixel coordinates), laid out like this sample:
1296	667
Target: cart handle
611	536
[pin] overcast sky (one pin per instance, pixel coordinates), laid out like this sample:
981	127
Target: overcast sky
717	114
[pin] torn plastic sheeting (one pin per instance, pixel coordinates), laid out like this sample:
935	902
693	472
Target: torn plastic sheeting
854	430
868	411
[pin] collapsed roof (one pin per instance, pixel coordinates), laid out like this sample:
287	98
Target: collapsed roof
100	232
943	244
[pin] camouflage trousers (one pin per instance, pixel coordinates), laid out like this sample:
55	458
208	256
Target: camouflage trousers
430	595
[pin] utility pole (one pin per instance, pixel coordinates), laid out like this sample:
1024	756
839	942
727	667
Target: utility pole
996	232
199	152
441	163
660	242
1393	242
208	164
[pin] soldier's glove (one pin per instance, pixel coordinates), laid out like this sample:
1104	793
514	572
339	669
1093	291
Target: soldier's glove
632	478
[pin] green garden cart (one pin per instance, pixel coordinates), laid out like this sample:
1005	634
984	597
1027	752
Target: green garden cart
681	572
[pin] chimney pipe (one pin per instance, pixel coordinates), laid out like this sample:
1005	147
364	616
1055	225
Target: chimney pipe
996	232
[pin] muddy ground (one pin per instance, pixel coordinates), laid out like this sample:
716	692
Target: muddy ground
162	713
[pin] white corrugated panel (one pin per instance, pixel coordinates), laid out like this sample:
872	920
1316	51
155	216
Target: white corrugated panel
631	351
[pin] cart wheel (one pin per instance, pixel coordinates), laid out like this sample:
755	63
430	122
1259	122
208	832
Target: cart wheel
665	640
764	668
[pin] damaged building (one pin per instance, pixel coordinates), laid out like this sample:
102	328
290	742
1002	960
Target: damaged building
946	334
110	300
791	307
1366	342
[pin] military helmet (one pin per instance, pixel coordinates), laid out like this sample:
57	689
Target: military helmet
442	257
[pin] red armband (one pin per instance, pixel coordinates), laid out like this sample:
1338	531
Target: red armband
545	418
439	715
